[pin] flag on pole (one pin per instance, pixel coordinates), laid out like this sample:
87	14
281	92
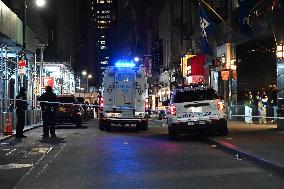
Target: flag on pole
207	28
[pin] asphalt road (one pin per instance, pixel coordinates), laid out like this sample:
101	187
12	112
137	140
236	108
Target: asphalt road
90	158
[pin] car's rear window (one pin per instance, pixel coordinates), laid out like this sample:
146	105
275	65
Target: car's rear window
66	99
194	95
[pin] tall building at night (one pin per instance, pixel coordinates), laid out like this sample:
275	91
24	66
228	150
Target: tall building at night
101	22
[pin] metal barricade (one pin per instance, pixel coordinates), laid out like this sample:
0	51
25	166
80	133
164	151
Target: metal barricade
267	115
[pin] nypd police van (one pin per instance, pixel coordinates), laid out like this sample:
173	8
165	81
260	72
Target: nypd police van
124	93
196	108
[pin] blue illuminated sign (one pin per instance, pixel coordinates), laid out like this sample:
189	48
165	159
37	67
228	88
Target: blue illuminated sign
124	64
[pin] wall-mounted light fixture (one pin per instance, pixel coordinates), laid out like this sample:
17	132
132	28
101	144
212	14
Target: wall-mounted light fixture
279	51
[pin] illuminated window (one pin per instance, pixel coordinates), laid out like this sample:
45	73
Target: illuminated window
103	22
105	11
103	27
103	47
107	57
104	62
103	42
103	36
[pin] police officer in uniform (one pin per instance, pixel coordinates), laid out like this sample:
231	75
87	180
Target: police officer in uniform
21	107
48	111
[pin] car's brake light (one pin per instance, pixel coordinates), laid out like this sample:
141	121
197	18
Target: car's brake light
173	110
220	105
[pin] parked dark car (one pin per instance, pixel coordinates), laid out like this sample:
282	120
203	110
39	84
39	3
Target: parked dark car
69	111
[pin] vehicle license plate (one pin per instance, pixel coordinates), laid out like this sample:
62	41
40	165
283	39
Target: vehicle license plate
196	109
113	114
202	122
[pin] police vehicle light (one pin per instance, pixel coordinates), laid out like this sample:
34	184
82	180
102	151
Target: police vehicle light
136	59
125	64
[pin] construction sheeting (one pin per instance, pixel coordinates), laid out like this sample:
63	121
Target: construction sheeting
12	27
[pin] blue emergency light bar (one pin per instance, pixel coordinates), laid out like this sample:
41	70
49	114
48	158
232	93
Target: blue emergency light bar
125	64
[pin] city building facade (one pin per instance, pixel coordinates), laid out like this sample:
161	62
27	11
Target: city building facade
101	21
20	37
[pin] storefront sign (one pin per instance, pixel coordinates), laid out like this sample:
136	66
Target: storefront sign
22	67
197	70
185	64
225	75
48	81
148	65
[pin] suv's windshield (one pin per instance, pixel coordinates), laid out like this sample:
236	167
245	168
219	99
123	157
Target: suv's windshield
194	95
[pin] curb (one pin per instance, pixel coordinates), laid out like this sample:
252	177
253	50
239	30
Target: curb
26	129
235	150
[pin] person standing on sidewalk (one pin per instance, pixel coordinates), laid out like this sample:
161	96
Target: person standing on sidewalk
21	107
263	112
48	111
248	106
273	102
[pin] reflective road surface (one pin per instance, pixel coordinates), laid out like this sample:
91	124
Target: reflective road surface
90	158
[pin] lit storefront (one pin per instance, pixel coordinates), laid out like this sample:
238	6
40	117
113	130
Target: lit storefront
164	90
60	77
193	69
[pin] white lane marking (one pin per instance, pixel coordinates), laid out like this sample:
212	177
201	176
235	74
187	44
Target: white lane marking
42	150
29	171
15	166
51	160
10	152
49	150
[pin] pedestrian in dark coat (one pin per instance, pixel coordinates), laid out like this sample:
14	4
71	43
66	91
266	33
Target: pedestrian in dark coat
273	102
48	111
21	107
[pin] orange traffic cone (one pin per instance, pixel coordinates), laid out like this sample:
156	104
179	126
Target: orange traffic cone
8	127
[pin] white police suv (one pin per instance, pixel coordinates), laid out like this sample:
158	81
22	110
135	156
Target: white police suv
196	108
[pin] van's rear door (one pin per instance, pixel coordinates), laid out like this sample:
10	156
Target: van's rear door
124	90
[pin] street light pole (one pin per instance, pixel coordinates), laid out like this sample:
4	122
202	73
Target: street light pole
89	77
24	28
41	70
87	88
39	3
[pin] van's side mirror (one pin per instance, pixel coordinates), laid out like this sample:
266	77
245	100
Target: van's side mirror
166	103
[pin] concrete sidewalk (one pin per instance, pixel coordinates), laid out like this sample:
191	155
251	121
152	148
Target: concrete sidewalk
261	143
26	129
